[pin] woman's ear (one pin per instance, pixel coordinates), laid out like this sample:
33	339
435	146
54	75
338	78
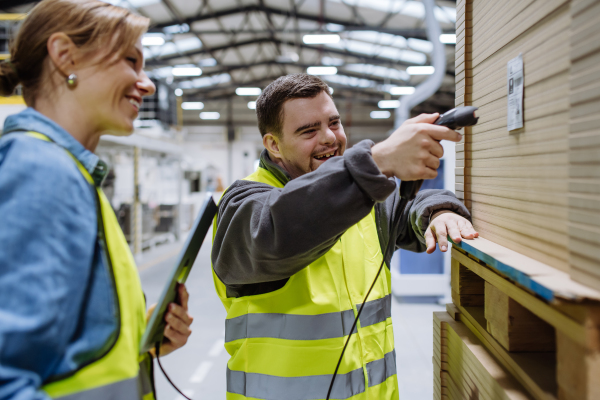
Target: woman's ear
62	53
271	143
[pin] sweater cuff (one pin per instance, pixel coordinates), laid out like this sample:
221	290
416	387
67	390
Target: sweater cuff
359	162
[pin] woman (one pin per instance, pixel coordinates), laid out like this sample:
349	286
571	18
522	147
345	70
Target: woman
72	311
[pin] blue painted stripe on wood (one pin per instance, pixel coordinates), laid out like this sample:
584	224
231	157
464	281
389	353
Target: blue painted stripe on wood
512	273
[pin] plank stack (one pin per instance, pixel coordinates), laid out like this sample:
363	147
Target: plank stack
525	318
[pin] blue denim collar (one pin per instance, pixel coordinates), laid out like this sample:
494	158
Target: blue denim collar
31	120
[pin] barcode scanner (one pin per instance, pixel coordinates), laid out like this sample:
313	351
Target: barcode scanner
456	118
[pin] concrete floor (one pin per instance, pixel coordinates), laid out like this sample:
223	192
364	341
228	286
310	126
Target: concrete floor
199	368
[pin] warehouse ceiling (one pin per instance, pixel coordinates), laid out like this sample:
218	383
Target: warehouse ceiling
249	43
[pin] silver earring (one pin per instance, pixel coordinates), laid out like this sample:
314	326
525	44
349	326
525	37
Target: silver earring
72	81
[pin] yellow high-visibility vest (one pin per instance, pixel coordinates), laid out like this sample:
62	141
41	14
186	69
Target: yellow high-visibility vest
120	373
286	344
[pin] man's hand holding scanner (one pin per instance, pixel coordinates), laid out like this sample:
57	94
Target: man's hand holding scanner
413	151
178	320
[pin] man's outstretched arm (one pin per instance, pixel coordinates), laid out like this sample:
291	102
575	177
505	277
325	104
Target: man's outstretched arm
266	234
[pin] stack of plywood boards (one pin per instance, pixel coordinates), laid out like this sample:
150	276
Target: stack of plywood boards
525	318
516	183
535	190
584	143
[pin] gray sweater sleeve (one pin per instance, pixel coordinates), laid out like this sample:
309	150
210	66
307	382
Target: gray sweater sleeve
267	234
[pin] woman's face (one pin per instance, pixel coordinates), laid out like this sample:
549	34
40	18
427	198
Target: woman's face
110	90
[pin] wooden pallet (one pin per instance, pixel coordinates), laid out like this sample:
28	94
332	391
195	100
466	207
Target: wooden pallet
468	369
542	327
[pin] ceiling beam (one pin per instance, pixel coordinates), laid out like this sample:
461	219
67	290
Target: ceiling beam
415	33
363	58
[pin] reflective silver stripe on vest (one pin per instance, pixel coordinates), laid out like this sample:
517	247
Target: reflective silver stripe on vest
313	387
122	390
380	370
289	326
144	377
305	327
128	389
376	311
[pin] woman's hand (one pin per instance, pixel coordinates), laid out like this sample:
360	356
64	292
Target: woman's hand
178	322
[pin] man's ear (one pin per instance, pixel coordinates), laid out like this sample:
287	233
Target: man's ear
271	143
62	52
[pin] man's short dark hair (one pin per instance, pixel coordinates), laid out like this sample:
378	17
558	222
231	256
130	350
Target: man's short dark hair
269	106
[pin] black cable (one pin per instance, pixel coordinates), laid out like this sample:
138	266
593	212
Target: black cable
408	191
352	330
157	350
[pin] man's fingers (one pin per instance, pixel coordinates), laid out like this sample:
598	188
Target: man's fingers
467	231
432	162
436	149
429	241
441	234
454	231
423	119
429	173
183	295
438	133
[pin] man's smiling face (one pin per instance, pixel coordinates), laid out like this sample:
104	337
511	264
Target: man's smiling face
312	133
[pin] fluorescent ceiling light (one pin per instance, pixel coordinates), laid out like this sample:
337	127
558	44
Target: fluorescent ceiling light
142	3
207	62
350	81
321	70
252	105
173	29
334	27
378	70
389	104
287	58
210	115
402	90
332	61
248	91
320	39
186	71
448	38
424	46
178	92
204	82
192	105
380	114
425	70
153	40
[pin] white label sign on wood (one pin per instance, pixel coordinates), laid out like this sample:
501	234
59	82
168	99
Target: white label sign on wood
515	93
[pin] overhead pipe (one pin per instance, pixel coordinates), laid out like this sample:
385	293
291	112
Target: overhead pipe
438	58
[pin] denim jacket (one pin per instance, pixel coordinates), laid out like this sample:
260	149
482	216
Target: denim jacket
56	301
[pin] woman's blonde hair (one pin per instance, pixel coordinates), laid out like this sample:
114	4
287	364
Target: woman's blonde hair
92	25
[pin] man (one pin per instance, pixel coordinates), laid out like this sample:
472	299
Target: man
299	242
